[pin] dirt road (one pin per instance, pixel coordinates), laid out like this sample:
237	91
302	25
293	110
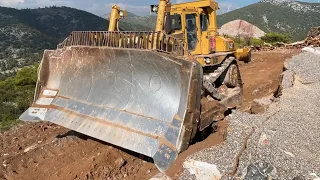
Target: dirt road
46	151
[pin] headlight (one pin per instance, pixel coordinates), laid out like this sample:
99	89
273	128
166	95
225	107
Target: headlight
207	60
121	14
154	8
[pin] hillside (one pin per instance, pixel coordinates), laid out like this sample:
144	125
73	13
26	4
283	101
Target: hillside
145	22
284	16
134	22
24	34
16	94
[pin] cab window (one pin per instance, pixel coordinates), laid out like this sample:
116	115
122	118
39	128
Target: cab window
173	23
176	22
191	31
204	21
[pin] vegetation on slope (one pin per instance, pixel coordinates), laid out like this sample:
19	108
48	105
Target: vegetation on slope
55	22
21	45
274	37
16	95
146	23
295	18
26	33
271	38
291	17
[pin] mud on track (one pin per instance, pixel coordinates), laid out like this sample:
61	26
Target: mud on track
47	151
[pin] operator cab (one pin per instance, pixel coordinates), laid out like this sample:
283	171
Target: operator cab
195	25
191	25
174	26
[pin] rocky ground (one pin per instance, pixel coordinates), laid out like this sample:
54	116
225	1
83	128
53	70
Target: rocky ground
46	151
283	142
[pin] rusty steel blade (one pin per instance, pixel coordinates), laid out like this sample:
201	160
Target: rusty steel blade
140	100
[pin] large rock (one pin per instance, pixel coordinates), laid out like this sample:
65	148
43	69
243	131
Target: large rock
241	28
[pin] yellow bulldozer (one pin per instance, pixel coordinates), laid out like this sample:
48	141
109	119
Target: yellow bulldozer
149	92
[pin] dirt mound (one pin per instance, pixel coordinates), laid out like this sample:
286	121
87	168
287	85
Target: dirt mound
241	28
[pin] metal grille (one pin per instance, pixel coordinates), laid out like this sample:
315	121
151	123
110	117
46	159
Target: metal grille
138	40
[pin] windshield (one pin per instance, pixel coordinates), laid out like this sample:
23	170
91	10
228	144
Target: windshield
173	23
191	31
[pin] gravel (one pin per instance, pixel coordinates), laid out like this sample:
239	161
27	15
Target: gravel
287	79
286	138
307	65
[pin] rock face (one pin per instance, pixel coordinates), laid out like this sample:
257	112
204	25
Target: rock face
241	28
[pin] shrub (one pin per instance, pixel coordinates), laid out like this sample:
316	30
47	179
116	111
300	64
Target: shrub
274	37
16	95
256	42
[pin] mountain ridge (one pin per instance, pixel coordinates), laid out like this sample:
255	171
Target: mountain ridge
283	16
26	33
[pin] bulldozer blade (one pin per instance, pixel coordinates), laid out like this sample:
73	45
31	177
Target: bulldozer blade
141	100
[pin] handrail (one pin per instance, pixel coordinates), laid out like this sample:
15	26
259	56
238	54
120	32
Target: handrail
126	39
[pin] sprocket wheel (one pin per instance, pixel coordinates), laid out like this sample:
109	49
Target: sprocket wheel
231	79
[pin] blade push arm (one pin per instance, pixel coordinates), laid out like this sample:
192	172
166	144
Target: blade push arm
116	14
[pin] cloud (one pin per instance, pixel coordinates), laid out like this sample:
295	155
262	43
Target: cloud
138	10
10	3
182	1
101	7
226	7
43	3
35	3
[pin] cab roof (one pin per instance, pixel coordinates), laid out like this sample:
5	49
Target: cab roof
197	4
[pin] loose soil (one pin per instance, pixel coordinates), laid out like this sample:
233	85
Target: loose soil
47	151
261	76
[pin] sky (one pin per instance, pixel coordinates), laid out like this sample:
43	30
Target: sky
102	7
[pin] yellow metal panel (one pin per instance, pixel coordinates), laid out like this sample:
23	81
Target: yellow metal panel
224	44
213	60
221	45
205	43
213	20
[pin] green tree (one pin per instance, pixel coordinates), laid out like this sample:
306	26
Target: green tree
274	37
16	95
